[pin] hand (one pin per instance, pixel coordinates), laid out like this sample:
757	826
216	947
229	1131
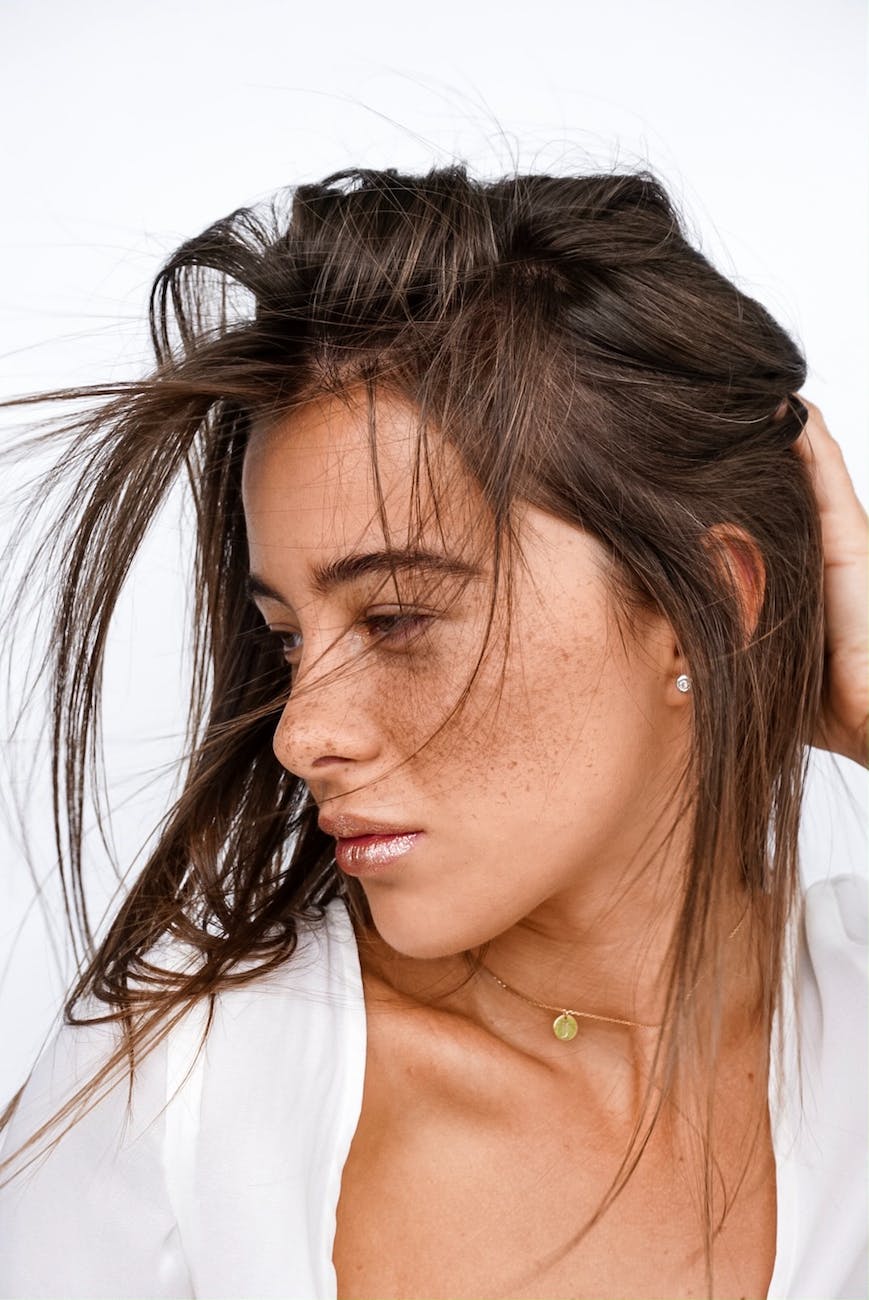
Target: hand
842	727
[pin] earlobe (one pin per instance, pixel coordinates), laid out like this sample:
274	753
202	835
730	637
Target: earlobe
739	555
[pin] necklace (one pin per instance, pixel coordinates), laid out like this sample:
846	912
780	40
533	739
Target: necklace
565	1026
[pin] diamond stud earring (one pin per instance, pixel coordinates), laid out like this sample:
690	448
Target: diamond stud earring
683	683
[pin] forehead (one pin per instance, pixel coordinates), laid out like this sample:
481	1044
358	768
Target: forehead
312	481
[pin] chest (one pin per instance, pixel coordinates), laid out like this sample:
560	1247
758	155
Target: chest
442	1197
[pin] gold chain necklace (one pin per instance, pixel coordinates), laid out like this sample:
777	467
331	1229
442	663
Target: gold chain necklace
564	1026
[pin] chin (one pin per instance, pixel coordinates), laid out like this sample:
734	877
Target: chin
422	932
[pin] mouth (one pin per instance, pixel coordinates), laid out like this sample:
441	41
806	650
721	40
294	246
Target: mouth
366	848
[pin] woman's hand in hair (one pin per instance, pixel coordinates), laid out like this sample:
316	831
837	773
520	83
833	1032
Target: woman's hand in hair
842	727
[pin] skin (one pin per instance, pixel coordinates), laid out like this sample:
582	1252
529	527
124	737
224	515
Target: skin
844	723
542	804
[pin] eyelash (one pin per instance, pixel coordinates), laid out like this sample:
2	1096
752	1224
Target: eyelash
402	627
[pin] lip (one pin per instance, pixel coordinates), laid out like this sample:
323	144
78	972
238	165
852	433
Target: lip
344	826
367	848
368	855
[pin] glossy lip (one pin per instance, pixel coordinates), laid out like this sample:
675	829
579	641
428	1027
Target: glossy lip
366	848
346	827
368	855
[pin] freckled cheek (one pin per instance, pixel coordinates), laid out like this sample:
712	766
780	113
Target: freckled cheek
547	718
411	711
512	733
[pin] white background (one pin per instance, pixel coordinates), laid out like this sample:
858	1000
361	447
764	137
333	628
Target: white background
129	127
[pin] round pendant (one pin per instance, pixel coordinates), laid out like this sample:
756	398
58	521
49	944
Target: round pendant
564	1027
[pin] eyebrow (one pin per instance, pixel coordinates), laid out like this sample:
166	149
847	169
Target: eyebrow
349	568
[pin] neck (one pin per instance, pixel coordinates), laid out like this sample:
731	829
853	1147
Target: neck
605	952
609	982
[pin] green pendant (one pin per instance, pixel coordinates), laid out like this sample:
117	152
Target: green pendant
564	1027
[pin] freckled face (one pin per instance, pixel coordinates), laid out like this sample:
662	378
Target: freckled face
537	792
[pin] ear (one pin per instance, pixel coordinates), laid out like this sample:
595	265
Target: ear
739	556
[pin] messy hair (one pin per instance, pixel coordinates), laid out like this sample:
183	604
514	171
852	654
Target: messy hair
582	356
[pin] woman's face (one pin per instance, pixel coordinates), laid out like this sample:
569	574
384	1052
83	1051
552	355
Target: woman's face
535	797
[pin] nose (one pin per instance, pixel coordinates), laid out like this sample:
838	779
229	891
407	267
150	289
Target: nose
325	726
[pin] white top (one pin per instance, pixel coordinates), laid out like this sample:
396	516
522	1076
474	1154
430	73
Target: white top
230	1191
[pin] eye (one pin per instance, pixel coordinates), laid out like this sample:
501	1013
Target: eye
397	628
394	629
291	646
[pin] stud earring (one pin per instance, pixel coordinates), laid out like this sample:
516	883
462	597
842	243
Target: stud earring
683	683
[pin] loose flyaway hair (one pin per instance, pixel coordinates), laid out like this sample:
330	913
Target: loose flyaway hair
580	355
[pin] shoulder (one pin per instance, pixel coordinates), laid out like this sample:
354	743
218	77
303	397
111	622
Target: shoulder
834	938
302	1023
217	1103
837	910
314	993
819	1103
830	1002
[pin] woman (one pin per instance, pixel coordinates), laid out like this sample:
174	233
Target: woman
524	580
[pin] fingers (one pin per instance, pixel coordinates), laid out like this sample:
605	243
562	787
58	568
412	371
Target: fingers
838	503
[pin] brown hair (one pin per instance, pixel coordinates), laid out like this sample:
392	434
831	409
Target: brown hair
581	355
